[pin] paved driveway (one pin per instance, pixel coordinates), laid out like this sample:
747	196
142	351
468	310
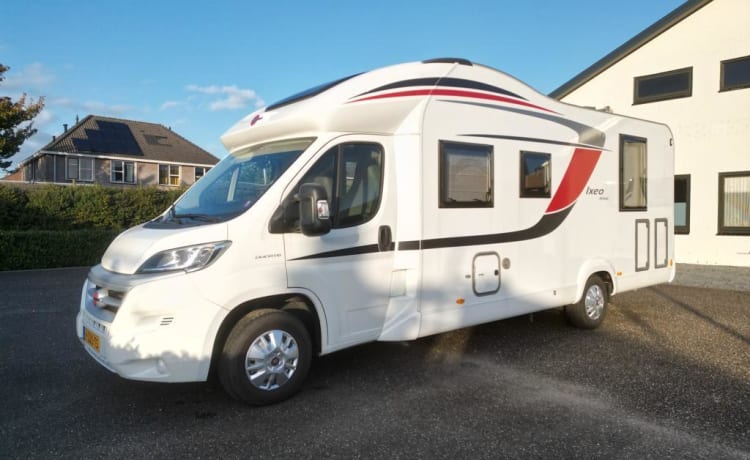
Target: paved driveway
667	375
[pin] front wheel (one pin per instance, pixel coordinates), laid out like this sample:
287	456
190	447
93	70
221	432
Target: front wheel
589	312
266	357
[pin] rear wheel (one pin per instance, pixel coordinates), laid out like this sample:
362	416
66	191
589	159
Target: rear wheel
589	312
266	357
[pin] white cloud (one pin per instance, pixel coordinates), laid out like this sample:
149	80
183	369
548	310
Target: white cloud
33	76
92	107
171	105
231	97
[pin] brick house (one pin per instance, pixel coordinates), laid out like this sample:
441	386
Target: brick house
116	152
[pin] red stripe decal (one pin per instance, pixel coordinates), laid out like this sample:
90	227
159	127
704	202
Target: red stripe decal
575	179
453	92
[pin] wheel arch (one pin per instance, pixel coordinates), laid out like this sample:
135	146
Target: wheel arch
596	267
296	303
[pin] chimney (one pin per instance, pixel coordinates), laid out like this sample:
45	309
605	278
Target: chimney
65	127
76	118
54	138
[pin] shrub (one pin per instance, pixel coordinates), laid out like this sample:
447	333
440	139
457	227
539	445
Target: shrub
57	207
27	249
50	226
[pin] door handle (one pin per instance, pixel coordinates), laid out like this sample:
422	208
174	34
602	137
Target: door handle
385	238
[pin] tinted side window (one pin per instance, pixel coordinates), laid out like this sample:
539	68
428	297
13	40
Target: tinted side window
352	177
662	86
735	73
465	175
535	175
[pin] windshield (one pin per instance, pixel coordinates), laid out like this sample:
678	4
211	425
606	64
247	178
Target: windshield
236	183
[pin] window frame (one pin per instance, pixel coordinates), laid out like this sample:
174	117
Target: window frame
195	172
638	99
281	221
724	229
79	168
124	175
523	191
170	175
683	229
723	87
623	139
443	202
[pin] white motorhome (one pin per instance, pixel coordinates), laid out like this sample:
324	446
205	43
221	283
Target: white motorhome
390	205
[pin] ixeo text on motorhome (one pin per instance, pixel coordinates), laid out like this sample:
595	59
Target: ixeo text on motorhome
390	205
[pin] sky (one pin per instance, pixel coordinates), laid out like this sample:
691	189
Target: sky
200	66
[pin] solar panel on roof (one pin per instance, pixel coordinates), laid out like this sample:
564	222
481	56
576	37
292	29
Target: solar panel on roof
108	137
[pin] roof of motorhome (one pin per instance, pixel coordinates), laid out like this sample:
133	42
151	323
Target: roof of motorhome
656	29
399	89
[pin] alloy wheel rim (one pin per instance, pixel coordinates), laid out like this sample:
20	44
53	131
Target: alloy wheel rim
594	302
271	360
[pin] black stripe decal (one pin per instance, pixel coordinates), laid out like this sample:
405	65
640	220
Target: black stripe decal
547	224
449	82
531	139
409	245
355	251
588	136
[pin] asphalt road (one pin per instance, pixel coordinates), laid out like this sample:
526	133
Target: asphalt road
667	375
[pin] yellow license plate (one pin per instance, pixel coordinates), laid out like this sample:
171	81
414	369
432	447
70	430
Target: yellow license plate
93	340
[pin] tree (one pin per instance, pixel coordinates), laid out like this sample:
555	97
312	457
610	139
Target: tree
12	116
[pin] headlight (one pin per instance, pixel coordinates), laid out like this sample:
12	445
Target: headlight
189	258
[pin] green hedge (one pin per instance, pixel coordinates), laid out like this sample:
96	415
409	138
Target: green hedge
50	226
27	249
57	207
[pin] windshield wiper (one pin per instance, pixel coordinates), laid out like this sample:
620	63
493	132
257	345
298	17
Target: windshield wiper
203	217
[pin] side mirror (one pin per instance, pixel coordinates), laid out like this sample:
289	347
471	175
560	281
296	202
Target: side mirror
314	213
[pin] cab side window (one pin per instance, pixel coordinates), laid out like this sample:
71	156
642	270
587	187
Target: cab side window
352	175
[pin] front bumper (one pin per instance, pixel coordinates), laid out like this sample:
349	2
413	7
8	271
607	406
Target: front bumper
157	328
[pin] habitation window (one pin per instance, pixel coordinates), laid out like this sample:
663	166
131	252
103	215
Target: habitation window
352	175
123	172
169	175
734	203
80	169
662	86
682	204
735	74
633	173
200	172
535	175
466	175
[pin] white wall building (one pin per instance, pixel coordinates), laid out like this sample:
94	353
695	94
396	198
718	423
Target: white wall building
690	70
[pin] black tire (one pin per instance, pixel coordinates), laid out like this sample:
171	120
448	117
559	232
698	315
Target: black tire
590	310
281	368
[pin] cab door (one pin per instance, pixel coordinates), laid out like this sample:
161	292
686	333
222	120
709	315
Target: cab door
349	268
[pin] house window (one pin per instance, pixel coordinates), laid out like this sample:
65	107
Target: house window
682	204
735	74
80	169
734	203
200	172
633	177
465	175
169	175
535	175
662	86
123	172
